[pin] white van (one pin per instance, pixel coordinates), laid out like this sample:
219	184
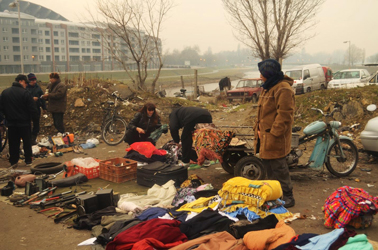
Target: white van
307	78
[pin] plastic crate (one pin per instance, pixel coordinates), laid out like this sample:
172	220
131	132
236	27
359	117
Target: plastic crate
118	178
91	173
118	166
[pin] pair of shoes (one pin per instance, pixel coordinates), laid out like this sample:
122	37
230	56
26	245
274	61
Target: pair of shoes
289	201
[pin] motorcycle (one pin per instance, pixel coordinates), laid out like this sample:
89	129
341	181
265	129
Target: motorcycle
337	152
369	137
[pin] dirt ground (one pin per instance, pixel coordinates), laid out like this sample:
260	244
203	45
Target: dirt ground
23	228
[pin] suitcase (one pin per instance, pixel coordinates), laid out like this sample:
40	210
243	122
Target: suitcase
160	173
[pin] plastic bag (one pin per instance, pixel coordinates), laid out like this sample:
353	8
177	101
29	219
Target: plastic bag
87	162
93	141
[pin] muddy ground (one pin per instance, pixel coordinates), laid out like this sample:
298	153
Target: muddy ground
23	228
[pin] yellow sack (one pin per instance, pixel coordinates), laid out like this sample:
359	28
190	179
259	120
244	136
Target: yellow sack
249	192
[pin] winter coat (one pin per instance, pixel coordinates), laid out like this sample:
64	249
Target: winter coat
275	117
183	116
18	106
36	91
57	100
144	122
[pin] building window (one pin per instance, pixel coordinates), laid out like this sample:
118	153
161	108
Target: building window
63	58
48	49
56	49
14	30
73	42
96	44
39	32
34	49
56	33
82	43
63	50
33	31
25	48
73	34
97	58
48	58
56	41
15	40
47	32
62	33
24	31
40	49
88	50
16	48
26	57
34	40
61	41
47	41
5	48
16	58
40	41
57	58
5	39
74	58
6	57
74	50
41	57
5	29
83	50
95	36
96	50
24	39
88	43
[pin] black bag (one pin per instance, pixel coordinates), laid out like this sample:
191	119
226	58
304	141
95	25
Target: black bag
160	173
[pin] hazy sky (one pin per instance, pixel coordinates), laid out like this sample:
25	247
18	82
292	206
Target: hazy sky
204	23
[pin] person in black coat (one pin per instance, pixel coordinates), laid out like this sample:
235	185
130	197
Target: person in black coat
146	121
19	109
36	93
187	118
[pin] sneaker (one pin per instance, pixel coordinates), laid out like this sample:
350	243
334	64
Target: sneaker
289	201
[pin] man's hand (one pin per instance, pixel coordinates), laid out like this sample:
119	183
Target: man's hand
140	131
45	96
35	99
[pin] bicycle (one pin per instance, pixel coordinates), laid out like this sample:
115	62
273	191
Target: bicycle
113	128
3	136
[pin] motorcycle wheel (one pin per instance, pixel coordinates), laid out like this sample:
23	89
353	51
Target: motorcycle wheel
342	167
250	167
230	159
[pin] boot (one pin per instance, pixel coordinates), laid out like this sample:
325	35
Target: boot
289	200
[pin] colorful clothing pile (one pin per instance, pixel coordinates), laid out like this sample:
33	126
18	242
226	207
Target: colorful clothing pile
346	204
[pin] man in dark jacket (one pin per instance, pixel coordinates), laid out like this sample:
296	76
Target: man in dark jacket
187	118
36	93
57	100
19	109
275	116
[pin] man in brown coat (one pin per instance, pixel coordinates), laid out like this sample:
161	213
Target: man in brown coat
56	94
273	126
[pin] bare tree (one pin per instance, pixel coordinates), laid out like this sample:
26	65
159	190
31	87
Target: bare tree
130	34
356	54
272	28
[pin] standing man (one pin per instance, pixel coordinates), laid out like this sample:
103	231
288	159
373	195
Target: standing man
187	118
19	109
273	126
36	92
56	94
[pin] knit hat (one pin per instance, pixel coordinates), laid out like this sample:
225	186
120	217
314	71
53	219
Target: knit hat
269	68
21	77
32	77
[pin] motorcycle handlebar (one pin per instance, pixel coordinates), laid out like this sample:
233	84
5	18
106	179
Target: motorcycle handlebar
326	115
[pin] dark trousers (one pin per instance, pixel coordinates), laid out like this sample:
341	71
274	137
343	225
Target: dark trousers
35	129
277	169
15	134
58	121
187	140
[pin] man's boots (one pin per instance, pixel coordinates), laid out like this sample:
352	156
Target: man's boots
288	197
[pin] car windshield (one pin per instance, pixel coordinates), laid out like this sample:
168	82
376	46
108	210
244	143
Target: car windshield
346	75
295	74
247	83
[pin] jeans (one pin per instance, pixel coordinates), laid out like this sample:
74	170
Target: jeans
15	134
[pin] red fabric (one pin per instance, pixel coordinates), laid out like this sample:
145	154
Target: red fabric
152	244
146	148
162	230
208	154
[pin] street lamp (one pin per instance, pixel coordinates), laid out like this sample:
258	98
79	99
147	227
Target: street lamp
349	52
13	5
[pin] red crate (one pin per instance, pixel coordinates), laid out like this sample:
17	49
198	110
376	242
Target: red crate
91	173
118	166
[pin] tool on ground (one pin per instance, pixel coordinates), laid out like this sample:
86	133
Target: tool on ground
60	210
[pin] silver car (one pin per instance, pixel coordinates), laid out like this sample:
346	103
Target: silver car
369	137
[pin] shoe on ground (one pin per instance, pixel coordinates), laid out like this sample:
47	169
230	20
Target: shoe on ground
289	201
183	164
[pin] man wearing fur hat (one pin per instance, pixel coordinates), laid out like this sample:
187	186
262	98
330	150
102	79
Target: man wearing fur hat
275	117
36	93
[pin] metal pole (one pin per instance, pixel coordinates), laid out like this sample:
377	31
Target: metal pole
20	34
195	83
349	54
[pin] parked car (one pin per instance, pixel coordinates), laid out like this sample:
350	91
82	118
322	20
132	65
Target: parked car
307	78
349	78
246	89
327	74
369	137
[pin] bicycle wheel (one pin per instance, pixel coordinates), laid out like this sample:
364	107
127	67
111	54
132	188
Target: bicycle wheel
3	137
338	166
114	131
